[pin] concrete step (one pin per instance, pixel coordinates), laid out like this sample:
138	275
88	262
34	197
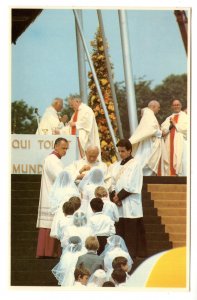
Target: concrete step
147	203
177	244
15	194
25	235
22	251
166	187
154	228
179	237
33	278
159	244
25	225
21	202
164	180
156	236
25	178
22	264
169	196
23	217
152	220
173	220
155	250
172	212
150	211
26	209
25	186
169	203
175	228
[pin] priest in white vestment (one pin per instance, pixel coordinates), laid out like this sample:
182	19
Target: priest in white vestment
79	168
146	140
83	123
51	122
52	166
125	192
174	130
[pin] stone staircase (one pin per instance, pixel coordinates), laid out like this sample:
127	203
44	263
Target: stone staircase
171	203
26	270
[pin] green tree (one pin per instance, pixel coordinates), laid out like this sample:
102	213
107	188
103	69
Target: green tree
122	106
23	118
172	87
67	110
143	94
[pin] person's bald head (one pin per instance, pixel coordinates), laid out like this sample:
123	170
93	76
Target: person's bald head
176	106
92	153
57	104
154	105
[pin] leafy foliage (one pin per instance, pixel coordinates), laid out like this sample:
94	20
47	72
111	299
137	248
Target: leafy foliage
23	118
173	87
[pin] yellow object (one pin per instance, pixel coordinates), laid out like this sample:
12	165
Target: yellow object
170	270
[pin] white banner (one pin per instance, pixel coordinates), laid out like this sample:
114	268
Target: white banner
29	151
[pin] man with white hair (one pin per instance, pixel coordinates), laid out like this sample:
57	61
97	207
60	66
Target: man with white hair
83	123
51	122
146	140
80	167
174	130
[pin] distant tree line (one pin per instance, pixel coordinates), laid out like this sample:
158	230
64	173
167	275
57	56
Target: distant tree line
173	87
23	117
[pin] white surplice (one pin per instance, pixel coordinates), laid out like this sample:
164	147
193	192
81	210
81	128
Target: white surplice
49	121
180	143
51	168
130	178
87	127
146	142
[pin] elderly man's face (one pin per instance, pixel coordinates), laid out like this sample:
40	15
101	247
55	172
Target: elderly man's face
59	106
74	104
92	155
176	106
156	108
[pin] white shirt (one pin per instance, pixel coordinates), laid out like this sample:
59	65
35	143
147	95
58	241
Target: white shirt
59	224
110	209
101	224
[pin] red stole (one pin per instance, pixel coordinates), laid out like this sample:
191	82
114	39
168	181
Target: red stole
73	129
172	133
57	154
73	132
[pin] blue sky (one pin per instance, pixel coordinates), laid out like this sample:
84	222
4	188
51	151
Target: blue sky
44	59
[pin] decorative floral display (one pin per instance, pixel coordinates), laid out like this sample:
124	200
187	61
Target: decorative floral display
108	152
